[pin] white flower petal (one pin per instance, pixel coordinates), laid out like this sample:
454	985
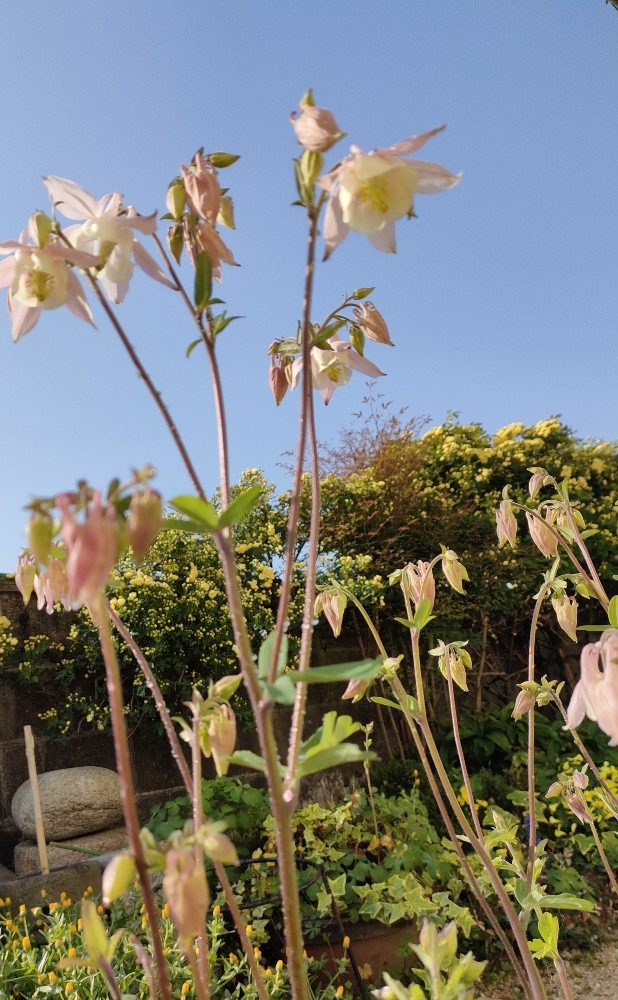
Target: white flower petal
72	199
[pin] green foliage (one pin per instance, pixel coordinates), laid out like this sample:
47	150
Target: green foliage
242	807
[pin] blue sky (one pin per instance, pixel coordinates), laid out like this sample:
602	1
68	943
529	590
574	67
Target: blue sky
501	300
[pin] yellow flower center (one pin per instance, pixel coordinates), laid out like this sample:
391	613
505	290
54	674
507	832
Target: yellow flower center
374	192
39	284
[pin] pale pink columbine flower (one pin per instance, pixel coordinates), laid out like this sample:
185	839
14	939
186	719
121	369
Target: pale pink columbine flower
372	323
541	534
208	240
333	604
596	693
566	614
38	277
222	735
186	891
571	791
370	191
417	583
315	128
25	575
108	230
202	188
92	547
51	585
334	367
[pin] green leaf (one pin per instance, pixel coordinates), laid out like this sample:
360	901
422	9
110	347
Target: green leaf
265	655
283	691
246	758
358	670
192	346
612	611
200	511
220	322
176	524
344	753
240	506
592	628
406	622
386	701
566	901
423	614
203	281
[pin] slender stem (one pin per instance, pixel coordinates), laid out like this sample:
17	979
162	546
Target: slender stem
241	930
159	700
110	978
603	856
156	395
531	754
584	551
198	821
460	753
562	976
305	415
200	989
127	789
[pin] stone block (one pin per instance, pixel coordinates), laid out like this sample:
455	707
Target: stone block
106	842
74	801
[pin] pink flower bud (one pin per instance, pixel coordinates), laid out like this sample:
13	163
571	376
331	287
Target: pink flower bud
417	583
92	547
316	128
144	521
542	536
186	892
523	703
24	575
506	524
566	614
277	378
202	189
333	603
454	571
372	323
356	689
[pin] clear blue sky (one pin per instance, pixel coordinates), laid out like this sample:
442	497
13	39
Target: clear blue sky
502	300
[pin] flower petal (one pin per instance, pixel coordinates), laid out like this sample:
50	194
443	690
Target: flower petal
7	271
335	229
384	239
148	264
23	318
146	224
577	708
408	146
77	302
72	199
432	178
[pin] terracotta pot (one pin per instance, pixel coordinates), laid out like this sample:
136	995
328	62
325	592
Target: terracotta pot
373	945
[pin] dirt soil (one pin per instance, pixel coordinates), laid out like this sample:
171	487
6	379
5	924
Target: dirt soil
594	975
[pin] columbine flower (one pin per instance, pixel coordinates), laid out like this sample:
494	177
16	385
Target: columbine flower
333	603
109	231
506	524
542	536
417	582
202	188
571	791
38	277
92	547
566	613
208	240
596	693
222	735
371	322
370	191
316	128
186	892
334	367
51	585
25	575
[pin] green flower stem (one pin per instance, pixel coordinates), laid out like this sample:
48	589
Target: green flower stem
241	930
159	700
460	752
603	856
156	395
531	754
583	751
583	548
465	864
370	625
281	813
127	790
201	980
478	845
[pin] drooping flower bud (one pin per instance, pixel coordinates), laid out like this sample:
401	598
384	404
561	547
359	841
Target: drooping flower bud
202	189
117	877
176	199
144	521
524	702
278	378
186	892
39	532
222	736
315	128
24	575
417	583
333	603
566	614
372	323
540	477
454	571
356	689
92	547
506	524
542	536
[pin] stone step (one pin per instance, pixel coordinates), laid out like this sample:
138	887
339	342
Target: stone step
106	841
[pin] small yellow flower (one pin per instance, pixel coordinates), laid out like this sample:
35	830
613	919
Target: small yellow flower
216	911
339	991
249	929
279	965
165	912
257	952
72	952
267	973
63	895
40	978
186	986
100	909
58	943
25	943
22	909
69	987
346	942
233	958
51	977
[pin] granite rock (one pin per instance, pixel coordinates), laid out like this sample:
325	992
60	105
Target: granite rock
74	801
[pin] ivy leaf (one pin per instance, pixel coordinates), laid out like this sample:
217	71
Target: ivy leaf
240	506
203	281
198	510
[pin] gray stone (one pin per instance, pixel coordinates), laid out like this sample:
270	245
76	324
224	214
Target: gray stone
74	801
27	861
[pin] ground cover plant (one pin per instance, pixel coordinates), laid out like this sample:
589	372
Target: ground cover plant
78	538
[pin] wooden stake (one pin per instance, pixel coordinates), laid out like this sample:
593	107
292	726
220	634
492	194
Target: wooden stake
36	800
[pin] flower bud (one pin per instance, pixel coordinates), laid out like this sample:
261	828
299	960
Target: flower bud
117	877
176	199
542	536
417	583
357	339
218	846
524	702
186	892
176	241
333	603
454	571
539	478
92	547
278	377
506	524
144	521
225	687
316	128
39	532
566	614
39	227
202	189
24	575
222	736
372	323
356	689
